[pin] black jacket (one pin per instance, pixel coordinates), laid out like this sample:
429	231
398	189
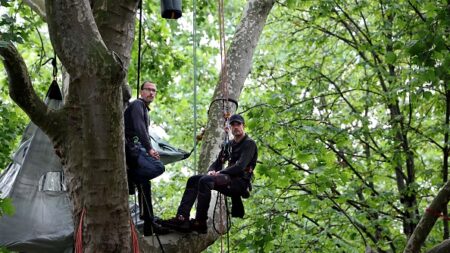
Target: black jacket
241	163
136	123
244	155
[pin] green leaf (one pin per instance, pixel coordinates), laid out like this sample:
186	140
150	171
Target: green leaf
6	207
390	57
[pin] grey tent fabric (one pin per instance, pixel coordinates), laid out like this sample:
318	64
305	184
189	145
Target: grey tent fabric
168	154
42	221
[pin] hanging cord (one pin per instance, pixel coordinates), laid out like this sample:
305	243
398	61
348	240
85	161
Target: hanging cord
55	68
139	50
135	205
150	211
133	229
223	62
194	53
228	218
219	199
221	222
79	235
229	227
226	115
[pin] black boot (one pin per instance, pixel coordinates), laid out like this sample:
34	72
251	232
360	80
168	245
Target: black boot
199	226
151	227
178	223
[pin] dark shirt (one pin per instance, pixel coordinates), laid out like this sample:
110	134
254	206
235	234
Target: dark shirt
136	123
244	154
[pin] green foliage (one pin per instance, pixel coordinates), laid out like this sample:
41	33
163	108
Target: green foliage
327	129
6	207
4	250
335	90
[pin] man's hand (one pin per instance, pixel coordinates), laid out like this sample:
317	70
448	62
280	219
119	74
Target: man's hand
153	153
213	173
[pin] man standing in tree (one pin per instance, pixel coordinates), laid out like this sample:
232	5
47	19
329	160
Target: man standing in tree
241	154
142	160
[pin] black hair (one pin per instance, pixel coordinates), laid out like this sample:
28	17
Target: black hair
148	81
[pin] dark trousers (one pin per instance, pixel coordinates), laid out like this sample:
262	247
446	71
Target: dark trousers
146	169
199	187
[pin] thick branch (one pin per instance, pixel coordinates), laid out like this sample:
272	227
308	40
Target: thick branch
76	38
442	247
21	90
37	5
428	220
113	22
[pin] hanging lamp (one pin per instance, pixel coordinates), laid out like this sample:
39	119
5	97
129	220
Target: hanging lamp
171	9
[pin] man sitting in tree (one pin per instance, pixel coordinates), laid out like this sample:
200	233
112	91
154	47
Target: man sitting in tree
241	154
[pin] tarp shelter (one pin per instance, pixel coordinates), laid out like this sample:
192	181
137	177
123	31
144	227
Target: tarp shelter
34	180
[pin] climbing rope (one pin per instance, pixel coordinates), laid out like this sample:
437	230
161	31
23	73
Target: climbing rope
223	62
226	115
148	204
194	54
138	80
79	234
228	219
134	237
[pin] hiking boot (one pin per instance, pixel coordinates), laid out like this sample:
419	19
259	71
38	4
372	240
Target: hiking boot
199	226
178	223
153	227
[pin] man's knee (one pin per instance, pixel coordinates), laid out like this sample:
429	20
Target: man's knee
206	182
159	167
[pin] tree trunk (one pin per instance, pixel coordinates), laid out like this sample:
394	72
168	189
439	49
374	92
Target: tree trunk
88	131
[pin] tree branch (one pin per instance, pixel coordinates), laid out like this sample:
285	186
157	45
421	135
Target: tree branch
76	39
21	89
37	6
428	220
442	247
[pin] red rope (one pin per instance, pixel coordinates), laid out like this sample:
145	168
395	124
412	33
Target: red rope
437	214
79	235
134	238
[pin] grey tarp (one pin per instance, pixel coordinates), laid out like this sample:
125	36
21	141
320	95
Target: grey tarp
42	221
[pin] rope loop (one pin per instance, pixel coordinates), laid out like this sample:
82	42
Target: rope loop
79	234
